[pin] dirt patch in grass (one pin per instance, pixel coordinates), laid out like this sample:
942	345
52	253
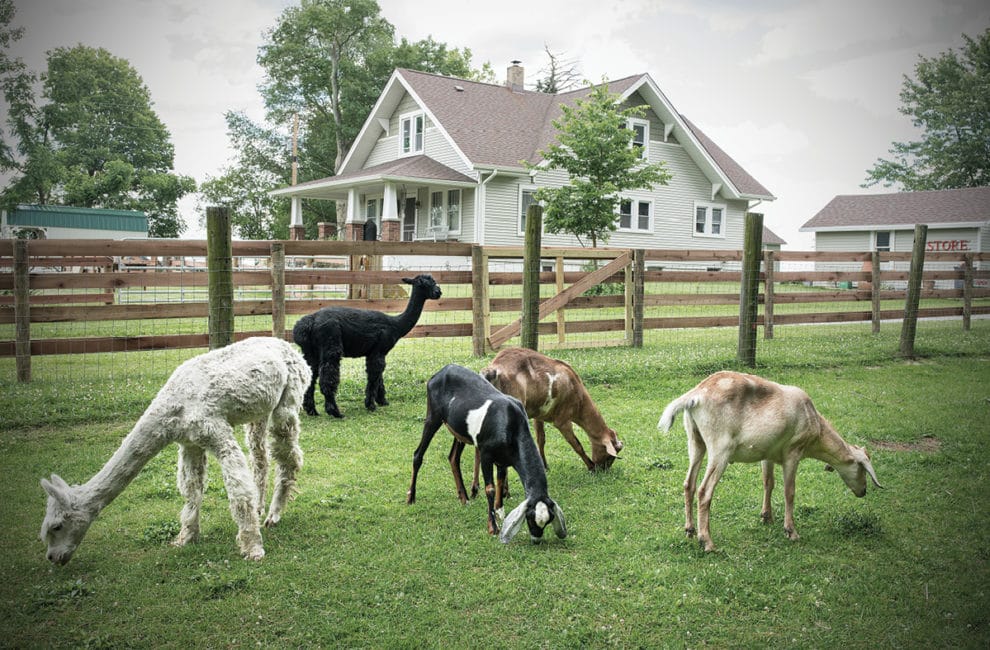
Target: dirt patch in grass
927	444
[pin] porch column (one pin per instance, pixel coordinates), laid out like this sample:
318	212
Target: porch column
297	230
391	226
354	224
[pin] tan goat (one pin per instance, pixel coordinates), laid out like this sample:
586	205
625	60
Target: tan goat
551	391
740	418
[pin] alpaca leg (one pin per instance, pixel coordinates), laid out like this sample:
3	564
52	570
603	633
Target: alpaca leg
241	490
309	399
330	380
192	481
375	390
258	449
288	459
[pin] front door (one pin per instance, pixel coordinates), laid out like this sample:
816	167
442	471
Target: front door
409	220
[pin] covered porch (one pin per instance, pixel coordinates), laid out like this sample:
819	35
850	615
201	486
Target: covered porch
410	199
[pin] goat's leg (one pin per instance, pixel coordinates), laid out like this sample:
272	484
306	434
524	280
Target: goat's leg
242	493
790	476
490	492
258	449
330	380
477	465
568	432
288	460
696	453
455	468
766	514
430	426
501	485
541	440
191	477
716	466
374	391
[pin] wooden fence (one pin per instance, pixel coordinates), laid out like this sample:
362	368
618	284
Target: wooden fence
76	281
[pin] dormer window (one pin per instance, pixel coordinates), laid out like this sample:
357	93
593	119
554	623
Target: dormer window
641	136
411	129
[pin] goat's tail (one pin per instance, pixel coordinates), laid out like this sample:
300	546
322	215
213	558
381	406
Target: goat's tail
685	401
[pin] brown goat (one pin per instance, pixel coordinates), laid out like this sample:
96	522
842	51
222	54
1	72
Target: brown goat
551	391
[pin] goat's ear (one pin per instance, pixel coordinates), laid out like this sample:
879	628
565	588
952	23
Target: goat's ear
58	490
559	525
610	448
409	280
513	522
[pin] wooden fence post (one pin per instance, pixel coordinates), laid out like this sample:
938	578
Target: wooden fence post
219	265
278	290
638	297
967	290
22	311
768	295
875	290
910	325
561	319
529	335
749	289
480	309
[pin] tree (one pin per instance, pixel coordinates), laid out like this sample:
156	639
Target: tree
326	61
561	74
594	148
949	99
94	142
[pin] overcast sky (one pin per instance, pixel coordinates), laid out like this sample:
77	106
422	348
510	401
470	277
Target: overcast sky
802	93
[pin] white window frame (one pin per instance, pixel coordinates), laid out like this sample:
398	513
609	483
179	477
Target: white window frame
709	209
376	212
520	211
416	145
444	208
633	122
890	242
634	214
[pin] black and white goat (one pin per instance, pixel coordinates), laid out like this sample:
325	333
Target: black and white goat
477	413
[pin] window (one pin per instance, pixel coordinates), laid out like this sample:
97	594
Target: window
411	134
635	215
709	220
526	199
881	241
445	211
373	209
641	136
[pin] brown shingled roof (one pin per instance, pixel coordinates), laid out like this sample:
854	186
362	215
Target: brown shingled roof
493	125
903	208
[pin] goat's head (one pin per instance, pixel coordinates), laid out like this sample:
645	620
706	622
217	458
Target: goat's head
65	522
537	514
426	285
605	450
855	470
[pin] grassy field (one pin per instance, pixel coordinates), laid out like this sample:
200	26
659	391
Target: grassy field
352	566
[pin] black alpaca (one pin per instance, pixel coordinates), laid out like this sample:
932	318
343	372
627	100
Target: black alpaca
331	333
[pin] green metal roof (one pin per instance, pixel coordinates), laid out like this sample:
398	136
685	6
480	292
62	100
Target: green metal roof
62	216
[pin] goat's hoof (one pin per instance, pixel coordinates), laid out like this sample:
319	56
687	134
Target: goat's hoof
690	532
370	406
272	520
792	534
335	413
766	517
310	411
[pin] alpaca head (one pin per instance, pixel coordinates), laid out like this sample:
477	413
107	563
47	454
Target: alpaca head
426	285
65	522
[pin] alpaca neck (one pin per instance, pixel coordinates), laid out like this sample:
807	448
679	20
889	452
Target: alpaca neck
144	441
408	319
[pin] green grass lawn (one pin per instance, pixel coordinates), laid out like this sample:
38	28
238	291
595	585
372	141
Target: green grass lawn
352	565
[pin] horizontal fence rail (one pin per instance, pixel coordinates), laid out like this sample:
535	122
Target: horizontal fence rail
601	296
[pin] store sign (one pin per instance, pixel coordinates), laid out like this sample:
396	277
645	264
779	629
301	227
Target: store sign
948	246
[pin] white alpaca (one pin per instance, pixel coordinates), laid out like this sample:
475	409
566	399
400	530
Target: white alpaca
259	382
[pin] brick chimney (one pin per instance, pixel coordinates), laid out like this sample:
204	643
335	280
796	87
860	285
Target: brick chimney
515	76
